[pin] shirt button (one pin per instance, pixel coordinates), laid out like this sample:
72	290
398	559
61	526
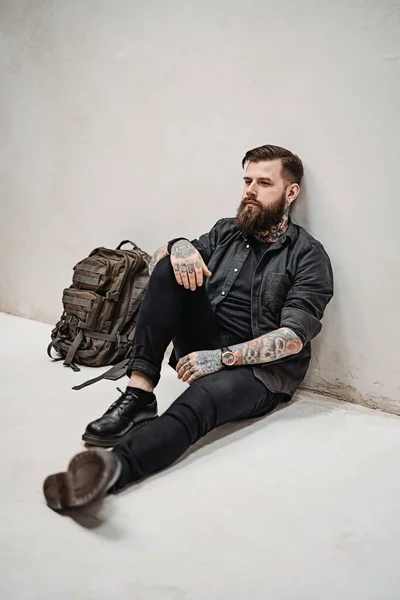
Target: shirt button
223	293
248	246
235	270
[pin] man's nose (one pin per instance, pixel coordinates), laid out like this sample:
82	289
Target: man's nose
252	189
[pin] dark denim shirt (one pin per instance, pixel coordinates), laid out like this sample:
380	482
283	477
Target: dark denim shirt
292	284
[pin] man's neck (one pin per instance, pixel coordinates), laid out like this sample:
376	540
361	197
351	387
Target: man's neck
277	231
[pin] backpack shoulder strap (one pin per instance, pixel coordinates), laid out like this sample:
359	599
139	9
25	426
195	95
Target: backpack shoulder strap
116	372
68	362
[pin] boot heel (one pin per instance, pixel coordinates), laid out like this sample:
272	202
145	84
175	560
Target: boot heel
89	473
57	490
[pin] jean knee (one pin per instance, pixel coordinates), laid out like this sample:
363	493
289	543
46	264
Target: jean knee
163	267
196	410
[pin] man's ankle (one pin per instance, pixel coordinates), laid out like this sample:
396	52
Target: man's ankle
141	381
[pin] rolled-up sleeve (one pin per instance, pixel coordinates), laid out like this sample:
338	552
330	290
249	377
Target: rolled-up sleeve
311	291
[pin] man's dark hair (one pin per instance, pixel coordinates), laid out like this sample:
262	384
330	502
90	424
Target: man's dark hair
292	167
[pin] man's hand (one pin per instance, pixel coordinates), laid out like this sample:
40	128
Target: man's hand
188	265
198	364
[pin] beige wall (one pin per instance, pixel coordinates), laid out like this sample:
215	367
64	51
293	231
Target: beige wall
129	119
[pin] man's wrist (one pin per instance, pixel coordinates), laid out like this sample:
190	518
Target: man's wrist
228	358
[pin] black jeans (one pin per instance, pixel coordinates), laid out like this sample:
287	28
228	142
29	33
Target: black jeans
170	312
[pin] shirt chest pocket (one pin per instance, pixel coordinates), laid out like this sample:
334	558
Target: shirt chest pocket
276	287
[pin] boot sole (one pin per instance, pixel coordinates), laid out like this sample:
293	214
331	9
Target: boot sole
92	440
63	490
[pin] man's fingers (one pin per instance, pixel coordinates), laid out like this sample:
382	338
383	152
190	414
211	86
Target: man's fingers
186	375
194	377
199	273
205	269
182	370
183	361
185	280
178	276
191	276
184	275
191	375
185	367
188	368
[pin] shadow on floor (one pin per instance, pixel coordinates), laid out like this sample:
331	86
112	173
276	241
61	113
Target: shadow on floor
95	516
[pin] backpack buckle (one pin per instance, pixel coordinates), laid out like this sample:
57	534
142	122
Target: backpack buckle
113	296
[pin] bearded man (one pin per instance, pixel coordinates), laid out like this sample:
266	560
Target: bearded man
241	305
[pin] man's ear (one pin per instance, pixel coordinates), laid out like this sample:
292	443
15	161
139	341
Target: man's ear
292	193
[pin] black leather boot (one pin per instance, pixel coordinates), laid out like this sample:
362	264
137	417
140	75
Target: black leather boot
133	409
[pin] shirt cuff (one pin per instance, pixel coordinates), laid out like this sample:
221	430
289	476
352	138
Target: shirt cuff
304	325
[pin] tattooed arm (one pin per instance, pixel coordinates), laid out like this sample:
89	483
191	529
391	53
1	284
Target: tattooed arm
158	255
264	349
267	348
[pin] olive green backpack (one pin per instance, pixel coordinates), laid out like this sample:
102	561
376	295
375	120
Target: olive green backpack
101	306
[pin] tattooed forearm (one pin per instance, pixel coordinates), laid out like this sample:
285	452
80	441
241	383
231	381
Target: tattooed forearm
158	255
183	249
267	348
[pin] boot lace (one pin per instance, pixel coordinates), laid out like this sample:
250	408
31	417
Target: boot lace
123	401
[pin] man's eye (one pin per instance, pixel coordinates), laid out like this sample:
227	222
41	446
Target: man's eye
265	183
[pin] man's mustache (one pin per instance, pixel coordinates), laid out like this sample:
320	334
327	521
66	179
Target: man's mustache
250	200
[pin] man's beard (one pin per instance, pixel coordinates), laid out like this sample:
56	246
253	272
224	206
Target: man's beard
258	219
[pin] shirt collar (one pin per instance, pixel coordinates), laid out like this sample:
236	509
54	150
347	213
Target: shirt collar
291	231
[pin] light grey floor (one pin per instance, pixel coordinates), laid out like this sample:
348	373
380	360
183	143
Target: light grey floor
303	504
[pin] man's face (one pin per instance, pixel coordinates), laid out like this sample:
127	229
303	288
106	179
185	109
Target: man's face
264	197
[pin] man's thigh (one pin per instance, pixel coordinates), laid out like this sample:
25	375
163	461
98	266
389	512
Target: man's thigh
238	394
198	329
228	395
